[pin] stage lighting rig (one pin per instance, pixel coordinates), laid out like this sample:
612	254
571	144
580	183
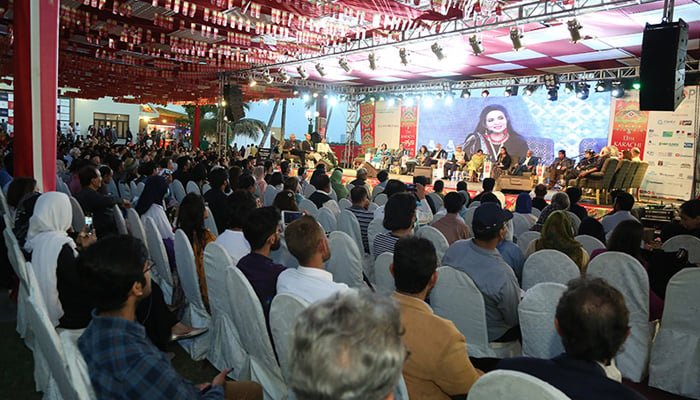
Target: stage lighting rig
618	90
321	70
437	50
466	94
574	30
267	77
284	76
302	73
477	48
345	65
568	88
582	89
515	37
553	93
485	93
529	89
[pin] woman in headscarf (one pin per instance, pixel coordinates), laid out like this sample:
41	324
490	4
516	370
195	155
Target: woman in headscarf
560	201
150	204
337	184
558	234
523	206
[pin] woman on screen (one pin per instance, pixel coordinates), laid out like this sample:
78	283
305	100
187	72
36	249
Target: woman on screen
494	131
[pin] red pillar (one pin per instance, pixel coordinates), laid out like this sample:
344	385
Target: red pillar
195	131
35	88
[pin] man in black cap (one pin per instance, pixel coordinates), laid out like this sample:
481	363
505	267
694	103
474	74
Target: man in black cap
584	167
497	282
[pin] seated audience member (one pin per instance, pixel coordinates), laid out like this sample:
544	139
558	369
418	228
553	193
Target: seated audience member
190	219
558	234
593	323
234	173
286	168
285	201
16	191
321	196
292	184
277	181
439	366
382	177
307	241
337	184
452	226
523	206
347	347
96	204
560	202
262	231
574	194
528	163
246	182
689	224
438	188
239	206
626	238
259	175
487	187
399	219
592	227
361	180
510	252
360	205
216	196
423	211
538	201
497	282
462	188
121	361
301	175
622	208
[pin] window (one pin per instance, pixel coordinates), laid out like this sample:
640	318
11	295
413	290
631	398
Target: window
119	121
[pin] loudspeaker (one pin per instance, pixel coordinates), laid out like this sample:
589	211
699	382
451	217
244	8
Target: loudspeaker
662	68
234	103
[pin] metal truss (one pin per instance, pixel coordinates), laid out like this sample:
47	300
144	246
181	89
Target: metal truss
351	120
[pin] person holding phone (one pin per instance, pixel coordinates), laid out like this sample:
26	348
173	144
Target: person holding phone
98	205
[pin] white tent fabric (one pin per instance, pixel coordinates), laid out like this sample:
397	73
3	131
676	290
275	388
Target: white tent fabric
456	297
225	349
627	275
327	219
284	310
344	203
78	215
688	242
347	222
193	188
269	196
548	266
590	244
195	314
525	238
675	355
163	276
522	223
436	238
135	226
381	199
308	190
575	220
308	206
178	190
210	223
373	229
507	385
119	220
536	312
14	254
346	260
384	279
437	200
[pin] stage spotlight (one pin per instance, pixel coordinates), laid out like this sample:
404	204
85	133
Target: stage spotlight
284	76
320	69
332	101
428	101
325	96
314	95
477	48
515	37
391	102
437	50
381	97
295	92
403	55
568	88
529	89
485	93
302	73
372	61
551	81
409	102
600	86
511	91
553	93
582	89
574	30
466	94
251	82
345	65
372	98
617	89
449	100
305	97
267	77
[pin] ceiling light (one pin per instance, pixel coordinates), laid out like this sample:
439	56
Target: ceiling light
409	102
295	92
372	61
551	81
485	93
403	55
268	78
305	97
437	50
553	93
529	89
515	37
600	86
284	76
574	28
332	101
391	102
617	89
251	82
320	69
477	48
428	101
302	73
568	88
314	95
582	89
466	94
345	65
511	91
449	99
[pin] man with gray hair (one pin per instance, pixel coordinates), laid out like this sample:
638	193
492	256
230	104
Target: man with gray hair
361	180
347	347
560	202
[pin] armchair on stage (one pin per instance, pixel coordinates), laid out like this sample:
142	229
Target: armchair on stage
615	174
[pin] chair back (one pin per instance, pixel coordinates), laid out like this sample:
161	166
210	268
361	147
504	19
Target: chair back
521	224
309	189
381	199
193	188
627	275
333	195
688	242
269	197
469	217
349	187
437	200
507	385
346	260
631	173
575	220
78	215
156	249
210	223
119	220
372	207
536	212
536	313
382	275
134	190
62	187
124	191
436	238
348	223
135	226
178	190
308	206
474	204
284	310
14	254
589	243
139	188
639	175
344	203
677	343
525	238
205	188
327	219
373	229
623	168
216	262
548	266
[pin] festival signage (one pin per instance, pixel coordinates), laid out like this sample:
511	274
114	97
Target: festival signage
367	124
387	121
629	124
409	128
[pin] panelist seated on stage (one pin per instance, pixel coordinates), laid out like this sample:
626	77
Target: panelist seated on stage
437	154
294	148
502	163
559	168
382	156
456	163
326	153
476	165
526	164
587	165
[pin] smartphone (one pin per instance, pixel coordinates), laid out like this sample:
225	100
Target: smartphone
290	216
88	223
411	187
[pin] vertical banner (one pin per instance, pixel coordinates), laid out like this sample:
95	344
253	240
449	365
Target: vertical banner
367	125
408	128
629	125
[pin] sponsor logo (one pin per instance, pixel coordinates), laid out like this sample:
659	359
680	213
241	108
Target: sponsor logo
660	163
687	145
686	122
666	122
685	165
669	144
650	153
667	134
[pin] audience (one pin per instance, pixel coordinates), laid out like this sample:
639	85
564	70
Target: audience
150	204
285	201
560	202
574	194
487	187
592	227
523	206
216	196
538	201
438	187
337	184
689	223
360	205
259	175
424	212
347	347
361	180
593	323
399	219
292	184
622	207
239	206
307	242
558	234
439	367
321	197
452	226
96	204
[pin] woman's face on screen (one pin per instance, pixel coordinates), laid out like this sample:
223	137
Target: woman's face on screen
496	121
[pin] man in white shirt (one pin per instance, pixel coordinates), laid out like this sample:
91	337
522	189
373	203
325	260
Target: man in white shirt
622	208
308	243
423	212
240	204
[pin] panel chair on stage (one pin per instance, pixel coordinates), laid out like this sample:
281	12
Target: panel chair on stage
639	178
600	180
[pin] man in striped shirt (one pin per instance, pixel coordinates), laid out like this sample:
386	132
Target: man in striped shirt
360	204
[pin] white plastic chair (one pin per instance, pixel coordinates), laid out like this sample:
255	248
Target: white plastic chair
14	254
139	188
327	219
536	313
119	220
437	200
210	223
548	266
474	204
536	212
205	188
590	244
372	207
456	297
308	190
381	199
349	187
163	276
469	217
346	260
508	385
283	256
384	280
373	229
308	206
575	220
344	203
124	191
284	310
269	196
627	275
62	187
178	190
193	188
78	215
77	367
347	222
135	226
195	314
525	238
134	190
675	360
521	224
436	238
688	242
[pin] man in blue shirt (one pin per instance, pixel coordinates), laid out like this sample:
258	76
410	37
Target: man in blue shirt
122	362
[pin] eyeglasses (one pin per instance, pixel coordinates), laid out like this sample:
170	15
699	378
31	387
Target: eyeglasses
149	266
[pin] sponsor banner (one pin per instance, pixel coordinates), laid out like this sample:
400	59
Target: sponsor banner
367	125
629	125
409	128
387	122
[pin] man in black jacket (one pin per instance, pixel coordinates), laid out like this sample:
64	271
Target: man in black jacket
98	205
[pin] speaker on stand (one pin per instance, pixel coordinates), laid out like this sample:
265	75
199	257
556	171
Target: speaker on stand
662	68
